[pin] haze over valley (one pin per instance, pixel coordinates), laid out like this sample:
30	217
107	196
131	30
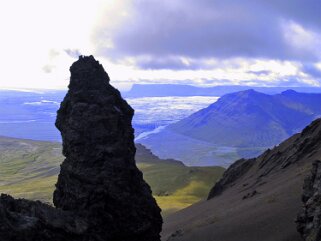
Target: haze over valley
31	115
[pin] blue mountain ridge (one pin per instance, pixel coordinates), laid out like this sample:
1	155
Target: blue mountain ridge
240	124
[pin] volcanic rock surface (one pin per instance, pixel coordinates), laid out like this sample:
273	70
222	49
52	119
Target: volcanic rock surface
309	219
100	193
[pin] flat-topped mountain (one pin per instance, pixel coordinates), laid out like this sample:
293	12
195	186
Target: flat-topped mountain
256	199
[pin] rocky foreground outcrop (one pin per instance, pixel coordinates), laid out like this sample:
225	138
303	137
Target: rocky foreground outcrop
100	193
309	219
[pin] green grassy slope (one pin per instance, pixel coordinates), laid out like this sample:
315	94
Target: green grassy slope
175	186
29	169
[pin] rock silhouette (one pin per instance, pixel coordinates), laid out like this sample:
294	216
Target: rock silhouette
100	193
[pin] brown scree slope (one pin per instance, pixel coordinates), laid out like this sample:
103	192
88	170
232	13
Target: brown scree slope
256	199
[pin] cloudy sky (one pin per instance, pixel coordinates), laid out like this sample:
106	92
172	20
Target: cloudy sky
198	42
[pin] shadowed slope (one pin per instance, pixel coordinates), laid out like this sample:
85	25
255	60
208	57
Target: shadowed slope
257	199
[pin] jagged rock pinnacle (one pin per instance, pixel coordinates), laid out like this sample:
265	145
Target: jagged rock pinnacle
99	172
100	193
87	74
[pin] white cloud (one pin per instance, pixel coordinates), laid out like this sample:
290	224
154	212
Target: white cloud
302	39
34	35
41	38
232	71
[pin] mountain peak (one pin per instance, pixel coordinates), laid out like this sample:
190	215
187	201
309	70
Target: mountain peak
251	92
289	92
251	119
87	73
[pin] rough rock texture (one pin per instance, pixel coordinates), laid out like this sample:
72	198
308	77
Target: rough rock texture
23	220
99	174
100	193
309	219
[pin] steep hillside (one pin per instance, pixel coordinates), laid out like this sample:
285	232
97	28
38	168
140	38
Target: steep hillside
238	125
29	169
256	199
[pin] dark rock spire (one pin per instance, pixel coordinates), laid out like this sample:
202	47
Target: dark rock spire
99	174
100	193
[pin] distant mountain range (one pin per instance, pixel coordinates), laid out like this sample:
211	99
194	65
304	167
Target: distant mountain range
242	123
31	115
251	119
161	90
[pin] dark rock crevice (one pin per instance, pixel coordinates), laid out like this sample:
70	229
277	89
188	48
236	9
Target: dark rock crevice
309	218
100	193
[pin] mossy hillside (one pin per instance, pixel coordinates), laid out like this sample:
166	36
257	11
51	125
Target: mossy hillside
29	169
